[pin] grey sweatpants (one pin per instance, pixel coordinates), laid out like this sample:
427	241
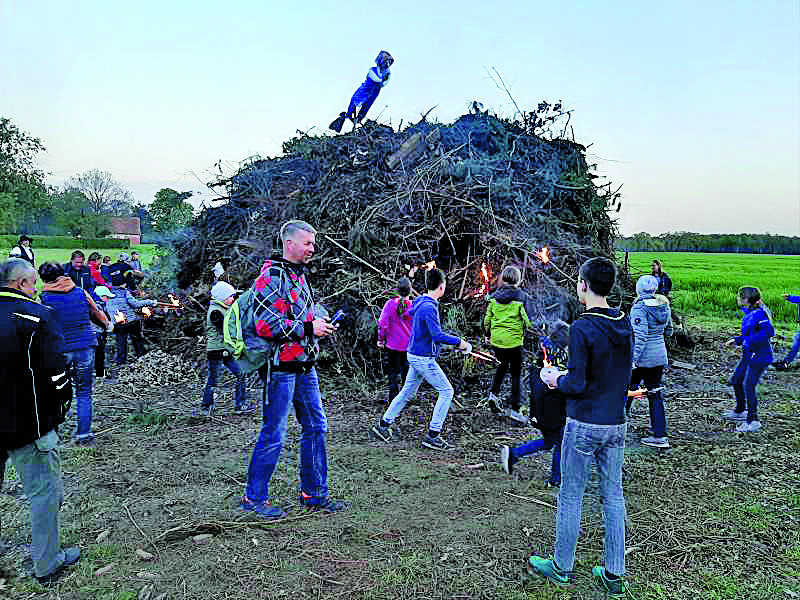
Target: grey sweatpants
39	467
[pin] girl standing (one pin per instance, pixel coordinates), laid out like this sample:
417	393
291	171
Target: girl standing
394	331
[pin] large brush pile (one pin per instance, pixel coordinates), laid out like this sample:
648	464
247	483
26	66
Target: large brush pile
472	196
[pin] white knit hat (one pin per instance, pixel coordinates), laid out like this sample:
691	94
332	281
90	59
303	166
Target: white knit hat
222	290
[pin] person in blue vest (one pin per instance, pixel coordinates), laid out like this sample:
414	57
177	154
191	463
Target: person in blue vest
75	310
367	93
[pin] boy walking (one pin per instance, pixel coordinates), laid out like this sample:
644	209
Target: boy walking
595	385
423	348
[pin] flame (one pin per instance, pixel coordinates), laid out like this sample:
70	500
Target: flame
486	274
547	363
430	265
173	300
146	312
119	317
544	254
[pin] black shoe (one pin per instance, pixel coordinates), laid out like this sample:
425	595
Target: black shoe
326	506
435	443
780	365
551	483
71	556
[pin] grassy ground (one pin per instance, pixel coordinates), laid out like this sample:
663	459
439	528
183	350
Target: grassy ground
714	518
706	284
62	255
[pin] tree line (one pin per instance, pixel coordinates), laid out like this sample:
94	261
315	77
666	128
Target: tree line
82	206
685	241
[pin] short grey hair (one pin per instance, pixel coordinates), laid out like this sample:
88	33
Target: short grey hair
15	269
289	228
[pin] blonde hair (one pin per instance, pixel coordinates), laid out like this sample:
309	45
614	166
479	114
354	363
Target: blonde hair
511	275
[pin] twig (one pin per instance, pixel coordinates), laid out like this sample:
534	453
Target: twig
144	535
358	258
534	500
325	579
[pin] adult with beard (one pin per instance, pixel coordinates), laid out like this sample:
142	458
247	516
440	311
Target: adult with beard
283	315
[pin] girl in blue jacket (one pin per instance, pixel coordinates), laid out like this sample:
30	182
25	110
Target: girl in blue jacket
755	337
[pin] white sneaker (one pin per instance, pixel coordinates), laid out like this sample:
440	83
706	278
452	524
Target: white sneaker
735	416
516	416
755	425
655	442
749	427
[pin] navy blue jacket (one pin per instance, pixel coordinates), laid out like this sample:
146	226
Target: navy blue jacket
757	330
426	332
600	364
82	277
74	315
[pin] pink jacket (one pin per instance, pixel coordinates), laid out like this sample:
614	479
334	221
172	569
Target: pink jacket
395	329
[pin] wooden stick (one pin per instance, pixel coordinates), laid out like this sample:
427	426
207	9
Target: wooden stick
144	535
358	258
534	500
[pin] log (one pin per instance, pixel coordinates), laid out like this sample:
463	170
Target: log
683	365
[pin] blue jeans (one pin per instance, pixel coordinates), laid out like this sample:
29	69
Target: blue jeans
84	378
548	440
605	445
423	368
213	377
651	376
789	359
744	380
302	391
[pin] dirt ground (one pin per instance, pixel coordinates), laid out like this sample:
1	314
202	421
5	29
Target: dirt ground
715	517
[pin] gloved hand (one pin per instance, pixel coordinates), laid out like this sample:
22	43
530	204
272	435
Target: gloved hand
467	347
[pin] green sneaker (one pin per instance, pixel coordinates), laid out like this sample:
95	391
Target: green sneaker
614	588
546	567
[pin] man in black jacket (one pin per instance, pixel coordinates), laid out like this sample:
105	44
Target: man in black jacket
76	270
36	393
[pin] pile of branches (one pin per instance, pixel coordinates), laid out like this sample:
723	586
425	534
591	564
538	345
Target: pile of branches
471	196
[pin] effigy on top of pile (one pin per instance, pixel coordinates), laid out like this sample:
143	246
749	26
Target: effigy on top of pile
469	197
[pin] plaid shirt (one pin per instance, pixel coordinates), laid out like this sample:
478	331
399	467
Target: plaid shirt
283	310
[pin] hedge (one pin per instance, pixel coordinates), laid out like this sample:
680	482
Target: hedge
66	241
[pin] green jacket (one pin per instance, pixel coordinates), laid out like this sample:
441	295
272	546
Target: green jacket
216	340
506	318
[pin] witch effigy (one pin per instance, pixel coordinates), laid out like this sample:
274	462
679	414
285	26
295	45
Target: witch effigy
366	94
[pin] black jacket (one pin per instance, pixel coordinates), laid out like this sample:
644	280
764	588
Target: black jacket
36	389
600	364
82	277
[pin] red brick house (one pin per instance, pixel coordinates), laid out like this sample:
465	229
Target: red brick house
126	228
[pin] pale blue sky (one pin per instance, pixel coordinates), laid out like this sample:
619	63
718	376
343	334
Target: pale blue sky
693	106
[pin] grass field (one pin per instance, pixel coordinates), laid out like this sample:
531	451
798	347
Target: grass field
705	284
62	255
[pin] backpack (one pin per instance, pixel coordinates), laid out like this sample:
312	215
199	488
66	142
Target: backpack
249	350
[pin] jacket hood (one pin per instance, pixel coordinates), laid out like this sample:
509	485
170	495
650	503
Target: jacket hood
507	294
657	308
610	323
62	284
419	302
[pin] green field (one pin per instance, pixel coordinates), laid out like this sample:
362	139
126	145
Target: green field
705	284
62	255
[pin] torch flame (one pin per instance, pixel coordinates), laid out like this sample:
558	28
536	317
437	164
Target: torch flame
544	254
546	361
173	300
430	265
119	317
146	312
485	276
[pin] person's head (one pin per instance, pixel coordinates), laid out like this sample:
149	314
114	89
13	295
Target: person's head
223	292
104	293
94	257
24	240
384	60
596	276
646	286
511	275
134	255
106	260
404	287
123	256
50	271
559	333
435	283
749	297
655	267
18	274
76	259
299	240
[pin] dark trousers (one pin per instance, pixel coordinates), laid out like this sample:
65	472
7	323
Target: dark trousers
510	362
651	376
100	355
744	380
134	330
396	369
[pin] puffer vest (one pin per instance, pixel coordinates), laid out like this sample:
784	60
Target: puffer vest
215	339
73	314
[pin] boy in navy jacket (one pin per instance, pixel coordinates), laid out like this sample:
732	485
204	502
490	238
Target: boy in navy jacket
423	348
782	365
595	386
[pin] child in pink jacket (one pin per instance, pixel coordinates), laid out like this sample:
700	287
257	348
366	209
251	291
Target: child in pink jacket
394	331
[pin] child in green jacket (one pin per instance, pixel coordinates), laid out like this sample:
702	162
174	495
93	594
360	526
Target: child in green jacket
506	321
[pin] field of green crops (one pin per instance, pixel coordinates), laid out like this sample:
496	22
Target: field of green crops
705	284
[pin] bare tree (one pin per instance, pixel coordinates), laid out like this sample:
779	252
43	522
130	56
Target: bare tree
104	193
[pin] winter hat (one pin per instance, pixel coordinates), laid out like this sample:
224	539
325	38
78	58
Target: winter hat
102	290
218	270
123	256
222	290
646	286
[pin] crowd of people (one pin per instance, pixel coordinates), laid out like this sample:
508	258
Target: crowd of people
581	377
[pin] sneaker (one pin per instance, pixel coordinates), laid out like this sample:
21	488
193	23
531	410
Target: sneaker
748	427
326	506
780	365
435	443
655	442
245	409
735	416
382	433
755	425
546	567
86	441
206	411
507	459
264	510
552	483
495	404
516	416
71	556
614	588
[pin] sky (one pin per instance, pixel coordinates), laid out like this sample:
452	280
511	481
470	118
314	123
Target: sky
694	107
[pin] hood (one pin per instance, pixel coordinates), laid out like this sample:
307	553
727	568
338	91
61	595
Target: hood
507	294
657	308
62	285
420	302
610	323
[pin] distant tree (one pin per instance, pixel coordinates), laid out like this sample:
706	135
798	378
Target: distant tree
145	218
104	194
26	197
170	211
74	215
